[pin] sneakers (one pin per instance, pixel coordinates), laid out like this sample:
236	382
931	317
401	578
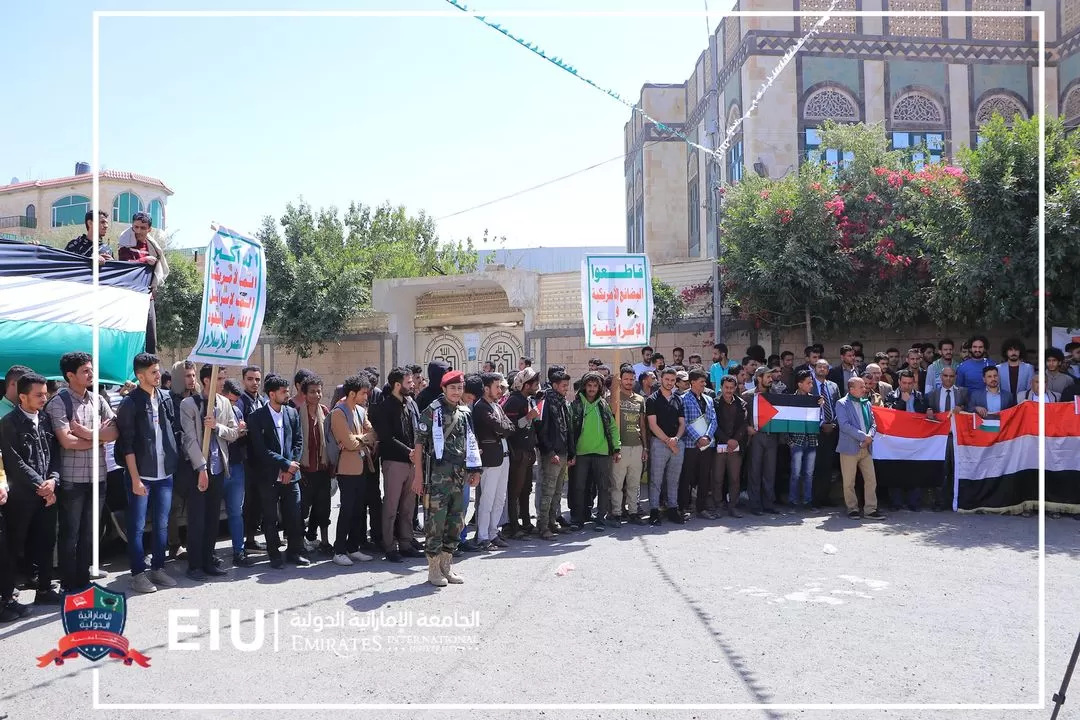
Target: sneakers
654	517
241	559
13	610
141	583
853	514
343	560
394	556
254	545
499	542
358	556
876	515
161	578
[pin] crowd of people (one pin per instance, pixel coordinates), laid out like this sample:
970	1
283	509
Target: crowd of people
184	442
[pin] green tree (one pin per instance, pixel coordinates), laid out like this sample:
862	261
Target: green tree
995	269
321	266
178	302
780	261
668	305
1063	251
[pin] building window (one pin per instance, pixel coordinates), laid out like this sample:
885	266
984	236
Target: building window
31	216
816	154
156	208
124	206
70	210
630	232
693	208
921	147
735	161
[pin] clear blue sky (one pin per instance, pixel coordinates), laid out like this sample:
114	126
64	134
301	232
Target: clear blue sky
241	116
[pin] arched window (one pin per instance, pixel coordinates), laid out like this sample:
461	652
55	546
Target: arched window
70	210
827	103
156	208
31	216
1070	108
124	206
735	148
918	127
1006	106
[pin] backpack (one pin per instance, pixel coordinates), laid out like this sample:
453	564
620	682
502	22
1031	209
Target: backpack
333	451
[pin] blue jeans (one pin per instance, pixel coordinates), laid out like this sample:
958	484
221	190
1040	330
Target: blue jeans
234	504
802	474
158	500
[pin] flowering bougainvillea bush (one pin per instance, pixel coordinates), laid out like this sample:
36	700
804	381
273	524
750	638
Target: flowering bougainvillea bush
882	242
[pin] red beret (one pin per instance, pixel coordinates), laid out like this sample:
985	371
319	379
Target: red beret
454	376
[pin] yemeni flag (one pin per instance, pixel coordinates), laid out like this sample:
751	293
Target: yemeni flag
997	463
909	450
775	413
47	302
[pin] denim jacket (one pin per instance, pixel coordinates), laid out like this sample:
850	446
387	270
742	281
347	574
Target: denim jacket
136	436
30	456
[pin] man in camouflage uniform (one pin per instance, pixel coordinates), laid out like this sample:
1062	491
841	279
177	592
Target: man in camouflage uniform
443	492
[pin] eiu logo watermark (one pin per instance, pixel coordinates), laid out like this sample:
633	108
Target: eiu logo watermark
94	621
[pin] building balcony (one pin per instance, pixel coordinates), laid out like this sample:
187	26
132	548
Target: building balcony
18	221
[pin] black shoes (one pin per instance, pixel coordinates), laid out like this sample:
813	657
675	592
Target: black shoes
853	514
196	574
654	517
241	559
47	597
298	559
394	556
255	545
412	553
876	515
676	516
215	571
13	610
276	562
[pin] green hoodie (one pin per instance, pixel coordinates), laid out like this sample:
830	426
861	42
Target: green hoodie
591	437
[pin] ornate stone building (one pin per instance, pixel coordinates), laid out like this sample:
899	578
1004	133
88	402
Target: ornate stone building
930	80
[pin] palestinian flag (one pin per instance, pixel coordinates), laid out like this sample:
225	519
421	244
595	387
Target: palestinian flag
909	450
47	302
775	413
997	463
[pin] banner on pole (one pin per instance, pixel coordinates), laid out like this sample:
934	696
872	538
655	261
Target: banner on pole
234	299
1060	337
616	300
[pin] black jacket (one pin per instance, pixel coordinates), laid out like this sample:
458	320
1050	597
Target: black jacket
136	433
491	426
733	427
435	370
31	456
394	423
554	432
894	401
517	407
267	455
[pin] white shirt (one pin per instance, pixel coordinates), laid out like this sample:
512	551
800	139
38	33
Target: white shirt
33	418
279	425
159	449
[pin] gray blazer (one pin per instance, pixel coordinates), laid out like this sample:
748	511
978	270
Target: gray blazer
191	423
849	420
959	394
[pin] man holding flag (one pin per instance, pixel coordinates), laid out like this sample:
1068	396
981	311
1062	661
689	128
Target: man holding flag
857	430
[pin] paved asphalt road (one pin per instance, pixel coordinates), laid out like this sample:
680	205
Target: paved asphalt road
924	608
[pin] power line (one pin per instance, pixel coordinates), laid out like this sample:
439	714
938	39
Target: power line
544	184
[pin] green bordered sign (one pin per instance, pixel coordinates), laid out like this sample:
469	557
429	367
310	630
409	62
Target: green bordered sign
234	299
616	300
